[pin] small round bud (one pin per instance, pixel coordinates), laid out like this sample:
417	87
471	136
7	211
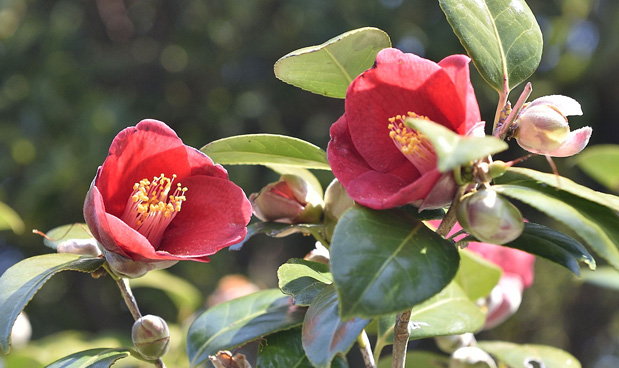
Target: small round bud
471	357
290	200
79	246
489	217
497	168
451	343
337	201
151	336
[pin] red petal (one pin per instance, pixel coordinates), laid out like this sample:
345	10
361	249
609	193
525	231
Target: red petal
96	219
397	84
214	216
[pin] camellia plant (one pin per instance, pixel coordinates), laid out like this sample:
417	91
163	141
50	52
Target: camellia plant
418	236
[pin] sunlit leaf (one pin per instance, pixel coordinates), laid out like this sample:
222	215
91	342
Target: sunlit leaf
65	232
239	321
387	261
476	276
9	219
501	36
601	162
527	356
554	246
605	276
20	282
325	335
183	294
452	149
95	358
450	312
266	149
276	229
418	359
329	68
303	280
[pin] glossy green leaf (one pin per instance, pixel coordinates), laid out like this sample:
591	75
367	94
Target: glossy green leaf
476	276
329	68
554	246
278	230
285	349
266	149
418	359
452	149
186	297
527	356
9	219
303	280
601	162
501	36
387	261
325	335
589	214
605	276
239	321
20	282
65	232
94	358
450	312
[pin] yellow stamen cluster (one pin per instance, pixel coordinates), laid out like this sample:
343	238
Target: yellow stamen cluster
414	145
151	207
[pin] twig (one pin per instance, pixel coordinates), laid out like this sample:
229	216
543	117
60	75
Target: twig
501	131
400	339
366	351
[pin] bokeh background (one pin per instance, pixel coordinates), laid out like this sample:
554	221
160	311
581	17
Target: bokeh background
75	72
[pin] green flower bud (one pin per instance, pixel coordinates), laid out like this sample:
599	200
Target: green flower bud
151	336
471	357
451	343
290	200
337	201
489	217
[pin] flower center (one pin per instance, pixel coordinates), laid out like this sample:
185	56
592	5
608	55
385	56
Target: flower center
414	145
151	207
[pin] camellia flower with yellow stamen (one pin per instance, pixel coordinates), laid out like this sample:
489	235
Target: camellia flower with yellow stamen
155	201
379	160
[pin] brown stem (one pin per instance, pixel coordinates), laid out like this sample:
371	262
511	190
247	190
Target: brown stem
400	339
125	290
366	351
501	131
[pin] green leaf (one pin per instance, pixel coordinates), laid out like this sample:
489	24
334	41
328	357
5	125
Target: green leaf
450	312
476	276
387	261
601	162
303	280
452	149
554	246
240	320
277	230
183	294
589	214
604	276
325	335
418	359
502	37
266	149
285	349
329	68
526	356
20	282
9	219
94	358
65	232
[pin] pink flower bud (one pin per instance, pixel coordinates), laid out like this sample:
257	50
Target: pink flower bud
291	200
151	336
471	357
489	217
542	127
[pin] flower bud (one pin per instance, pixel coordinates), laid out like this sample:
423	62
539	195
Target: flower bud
126	267
337	201
451	343
290	200
80	246
151	336
542	127
489	217
471	357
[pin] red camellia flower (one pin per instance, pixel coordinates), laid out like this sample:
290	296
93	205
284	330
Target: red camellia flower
155	199
382	163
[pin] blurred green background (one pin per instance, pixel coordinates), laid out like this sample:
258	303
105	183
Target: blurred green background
75	72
